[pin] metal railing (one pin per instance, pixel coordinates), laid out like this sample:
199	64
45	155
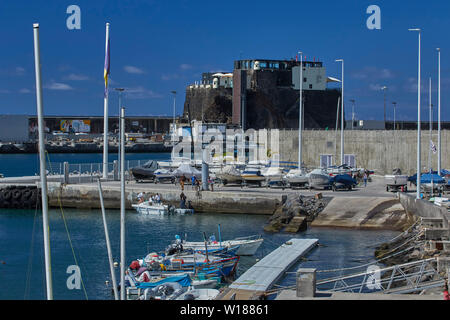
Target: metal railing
404	278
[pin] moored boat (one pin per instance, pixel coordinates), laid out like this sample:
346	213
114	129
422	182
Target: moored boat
148	207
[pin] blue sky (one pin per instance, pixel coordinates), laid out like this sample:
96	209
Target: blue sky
159	46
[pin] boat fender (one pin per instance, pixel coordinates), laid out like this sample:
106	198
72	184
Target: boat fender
163	267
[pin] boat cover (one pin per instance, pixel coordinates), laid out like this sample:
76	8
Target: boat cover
183	280
344	179
187	170
427	178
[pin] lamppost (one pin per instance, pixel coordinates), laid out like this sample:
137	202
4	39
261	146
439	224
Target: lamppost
439	111
120	90
300	112
342	112
418	118
384	89
395	105
353	112
174	104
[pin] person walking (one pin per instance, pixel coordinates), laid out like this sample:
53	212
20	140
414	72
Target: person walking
211	183
193	178
182	179
365	179
446	295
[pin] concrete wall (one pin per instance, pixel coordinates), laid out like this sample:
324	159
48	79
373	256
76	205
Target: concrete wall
381	151
14	128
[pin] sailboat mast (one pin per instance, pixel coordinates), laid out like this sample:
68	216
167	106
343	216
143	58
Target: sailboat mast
43	169
122	204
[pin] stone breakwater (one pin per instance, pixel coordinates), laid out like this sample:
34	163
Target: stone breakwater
296	212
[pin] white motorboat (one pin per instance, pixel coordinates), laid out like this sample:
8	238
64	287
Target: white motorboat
246	246
297	178
229	174
273	174
199	294
319	179
162	175
253	176
148	207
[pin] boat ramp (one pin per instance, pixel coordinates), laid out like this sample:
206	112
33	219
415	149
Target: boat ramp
265	273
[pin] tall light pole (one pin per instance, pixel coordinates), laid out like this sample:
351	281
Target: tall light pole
300	113
353	112
418	119
384	89
342	111
120	90
439	111
174	105
105	112
431	130
395	105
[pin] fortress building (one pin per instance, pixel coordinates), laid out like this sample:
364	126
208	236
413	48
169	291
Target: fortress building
265	94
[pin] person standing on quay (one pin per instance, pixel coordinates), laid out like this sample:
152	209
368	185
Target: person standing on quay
365	179
182	179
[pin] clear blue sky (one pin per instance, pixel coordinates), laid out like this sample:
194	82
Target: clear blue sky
159	46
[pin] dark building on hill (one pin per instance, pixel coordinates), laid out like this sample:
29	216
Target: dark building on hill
265	94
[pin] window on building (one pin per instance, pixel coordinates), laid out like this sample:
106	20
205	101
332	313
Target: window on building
304	79
350	160
310	86
326	160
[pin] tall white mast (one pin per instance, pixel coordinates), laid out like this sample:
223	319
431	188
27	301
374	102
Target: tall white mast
43	169
105	116
122	204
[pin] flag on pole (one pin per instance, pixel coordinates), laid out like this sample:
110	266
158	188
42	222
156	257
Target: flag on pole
433	147
106	69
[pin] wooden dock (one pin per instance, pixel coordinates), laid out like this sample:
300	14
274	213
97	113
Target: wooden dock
265	273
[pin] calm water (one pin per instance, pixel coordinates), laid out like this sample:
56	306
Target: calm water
15	165
21	250
21	241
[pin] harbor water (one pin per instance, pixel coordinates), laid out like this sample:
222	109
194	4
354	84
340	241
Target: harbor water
22	257
77	238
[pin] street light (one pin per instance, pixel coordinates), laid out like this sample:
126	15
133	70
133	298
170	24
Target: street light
120	90
439	111
300	112
353	111
342	112
174	104
384	89
395	105
418	118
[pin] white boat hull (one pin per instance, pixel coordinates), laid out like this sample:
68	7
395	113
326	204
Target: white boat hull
246	247
144	208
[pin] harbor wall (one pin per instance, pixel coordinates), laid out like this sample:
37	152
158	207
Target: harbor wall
87	197
425	209
378	150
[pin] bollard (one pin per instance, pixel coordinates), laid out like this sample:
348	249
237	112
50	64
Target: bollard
116	170
306	283
66	173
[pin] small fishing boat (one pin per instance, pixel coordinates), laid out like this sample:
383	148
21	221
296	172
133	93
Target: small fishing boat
229	174
273	174
319	179
431	182
146	172
297	178
148	207
241	246
164	175
199	294
253	176
173	210
342	181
